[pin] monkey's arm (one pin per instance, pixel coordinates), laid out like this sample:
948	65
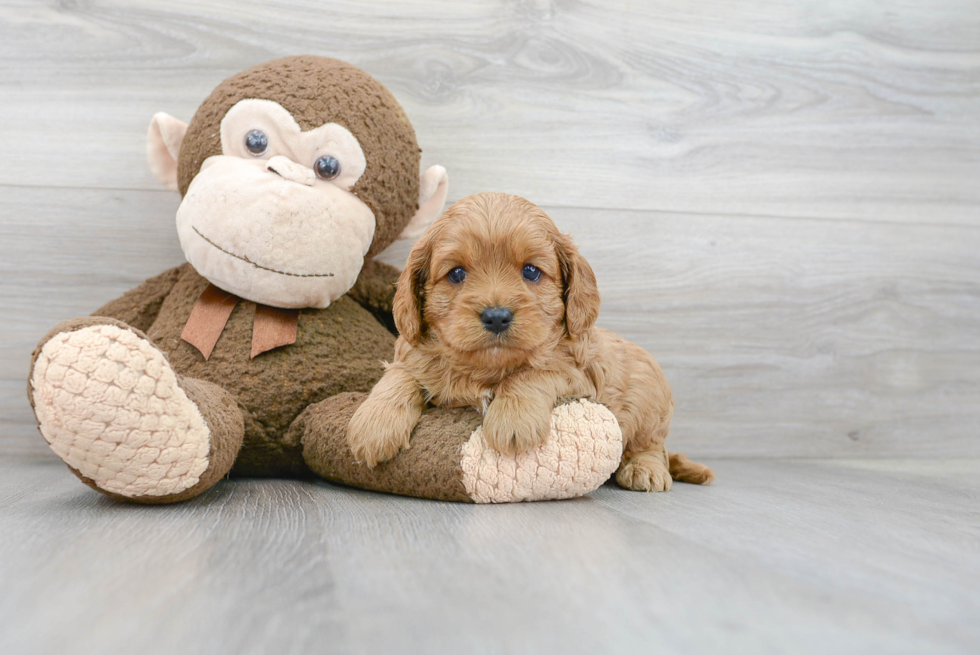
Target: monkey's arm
139	307
450	460
375	291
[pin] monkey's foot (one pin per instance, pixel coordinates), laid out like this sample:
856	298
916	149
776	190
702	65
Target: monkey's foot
582	451
108	403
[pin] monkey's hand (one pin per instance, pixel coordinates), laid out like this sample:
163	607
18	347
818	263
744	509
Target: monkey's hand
383	425
515	425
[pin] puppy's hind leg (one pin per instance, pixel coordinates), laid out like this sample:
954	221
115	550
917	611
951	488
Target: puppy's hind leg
647	470
645	421
653	469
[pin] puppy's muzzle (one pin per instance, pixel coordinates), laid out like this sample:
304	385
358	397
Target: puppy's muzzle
496	319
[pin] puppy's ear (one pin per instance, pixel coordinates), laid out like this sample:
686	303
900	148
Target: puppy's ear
581	292
410	290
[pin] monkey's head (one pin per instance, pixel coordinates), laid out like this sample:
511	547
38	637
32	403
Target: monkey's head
292	172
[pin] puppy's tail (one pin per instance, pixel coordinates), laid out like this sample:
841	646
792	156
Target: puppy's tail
684	470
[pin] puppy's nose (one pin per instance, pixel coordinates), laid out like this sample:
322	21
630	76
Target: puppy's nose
496	319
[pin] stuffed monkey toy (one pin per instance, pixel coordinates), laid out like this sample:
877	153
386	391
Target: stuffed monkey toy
251	357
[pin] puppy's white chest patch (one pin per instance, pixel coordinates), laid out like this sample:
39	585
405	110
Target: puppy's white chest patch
485	399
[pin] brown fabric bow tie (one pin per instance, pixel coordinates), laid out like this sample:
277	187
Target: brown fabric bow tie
272	327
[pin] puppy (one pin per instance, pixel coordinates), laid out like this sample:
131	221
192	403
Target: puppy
495	310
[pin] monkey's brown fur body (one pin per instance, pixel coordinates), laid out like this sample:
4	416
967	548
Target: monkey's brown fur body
337	350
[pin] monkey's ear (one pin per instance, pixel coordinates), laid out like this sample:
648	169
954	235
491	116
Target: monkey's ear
433	188
581	291
163	141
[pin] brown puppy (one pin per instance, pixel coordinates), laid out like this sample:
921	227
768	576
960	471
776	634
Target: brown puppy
495	309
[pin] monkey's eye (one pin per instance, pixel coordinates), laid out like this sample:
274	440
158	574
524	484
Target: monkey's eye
256	142
457	275
531	273
327	167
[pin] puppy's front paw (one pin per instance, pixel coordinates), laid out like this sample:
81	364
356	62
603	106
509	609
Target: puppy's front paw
376	433
644	472
511	430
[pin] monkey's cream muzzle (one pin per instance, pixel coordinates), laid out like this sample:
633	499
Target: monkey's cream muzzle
263	226
252	229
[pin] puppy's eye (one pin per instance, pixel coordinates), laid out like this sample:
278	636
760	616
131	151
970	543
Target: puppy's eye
531	273
256	142
457	275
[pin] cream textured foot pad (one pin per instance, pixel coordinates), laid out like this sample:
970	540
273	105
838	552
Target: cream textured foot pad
584	449
109	405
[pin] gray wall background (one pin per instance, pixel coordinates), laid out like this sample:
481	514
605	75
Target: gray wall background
780	200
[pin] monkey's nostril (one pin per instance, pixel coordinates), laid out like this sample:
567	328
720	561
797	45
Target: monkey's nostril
496	319
287	169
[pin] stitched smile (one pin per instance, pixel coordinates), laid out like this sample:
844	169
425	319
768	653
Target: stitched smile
249	261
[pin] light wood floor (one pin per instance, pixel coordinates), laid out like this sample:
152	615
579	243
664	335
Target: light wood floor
780	556
781	202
